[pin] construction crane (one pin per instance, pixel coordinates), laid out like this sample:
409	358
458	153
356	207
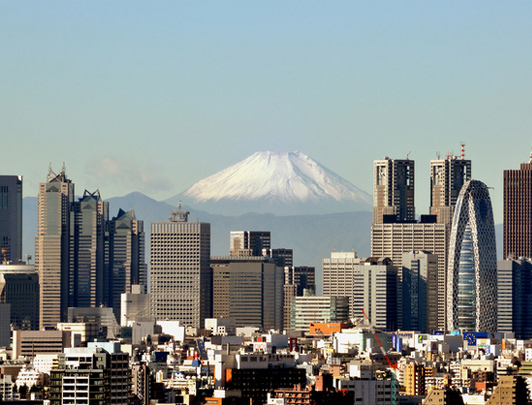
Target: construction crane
394	366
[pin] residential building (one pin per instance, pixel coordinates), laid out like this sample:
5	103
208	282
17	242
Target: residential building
11	218
181	279
52	247
472	267
517	208
414	379
90	375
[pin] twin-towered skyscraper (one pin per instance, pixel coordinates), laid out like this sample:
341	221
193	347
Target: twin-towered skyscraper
83	259
457	206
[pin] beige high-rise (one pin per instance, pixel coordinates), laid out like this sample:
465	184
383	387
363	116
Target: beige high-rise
447	176
393	190
180	276
52	247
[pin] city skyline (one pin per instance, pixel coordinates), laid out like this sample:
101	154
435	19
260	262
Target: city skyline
222	81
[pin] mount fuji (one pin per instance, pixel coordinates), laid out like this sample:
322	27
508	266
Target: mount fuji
281	183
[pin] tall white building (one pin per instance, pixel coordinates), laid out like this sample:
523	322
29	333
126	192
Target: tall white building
181	279
338	273
370	284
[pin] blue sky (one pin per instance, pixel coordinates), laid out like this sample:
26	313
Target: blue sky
154	96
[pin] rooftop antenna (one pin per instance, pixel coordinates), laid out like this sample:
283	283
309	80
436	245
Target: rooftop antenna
407	155
179	215
463	150
438	155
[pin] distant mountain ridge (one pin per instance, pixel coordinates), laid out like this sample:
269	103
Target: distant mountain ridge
282	183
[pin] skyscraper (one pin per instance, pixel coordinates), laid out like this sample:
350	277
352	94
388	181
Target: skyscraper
369	283
249	243
127	267
514	302
296	281
89	258
392	234
447	176
248	290
420	292
52	246
11	218
517	212
393	190
394	239
181	278
472	267
19	286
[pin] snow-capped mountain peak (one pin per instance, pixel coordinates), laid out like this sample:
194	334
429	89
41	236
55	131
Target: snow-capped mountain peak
291	178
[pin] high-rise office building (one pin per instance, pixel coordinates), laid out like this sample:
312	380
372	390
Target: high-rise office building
420	291
282	256
19	286
447	176
52	247
394	239
393	190
369	283
392	235
514	303
338	273
88	286
248	290
249	243
11	218
296	281
181	278
375	287
517	212
472	267
126	246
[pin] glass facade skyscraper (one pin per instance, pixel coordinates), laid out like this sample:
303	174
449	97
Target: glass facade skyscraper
472	267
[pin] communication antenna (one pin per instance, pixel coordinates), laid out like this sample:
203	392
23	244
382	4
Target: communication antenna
179	215
463	150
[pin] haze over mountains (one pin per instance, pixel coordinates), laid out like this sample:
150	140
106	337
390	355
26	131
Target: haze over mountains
304	205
